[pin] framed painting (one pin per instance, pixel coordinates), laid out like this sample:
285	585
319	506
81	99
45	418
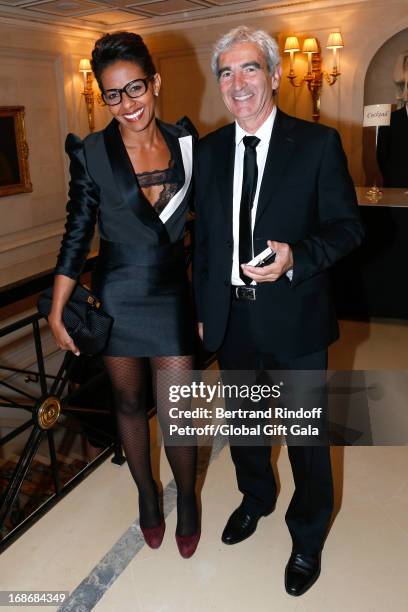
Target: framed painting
14	170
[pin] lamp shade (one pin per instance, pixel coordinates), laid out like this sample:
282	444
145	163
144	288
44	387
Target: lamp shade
335	41
291	44
85	66
310	46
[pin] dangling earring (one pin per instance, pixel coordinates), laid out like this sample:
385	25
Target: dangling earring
156	93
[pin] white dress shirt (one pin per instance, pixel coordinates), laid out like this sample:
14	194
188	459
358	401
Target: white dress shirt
264	134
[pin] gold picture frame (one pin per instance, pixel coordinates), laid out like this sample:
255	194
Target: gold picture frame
14	170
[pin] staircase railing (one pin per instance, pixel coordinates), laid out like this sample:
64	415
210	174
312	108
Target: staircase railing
49	408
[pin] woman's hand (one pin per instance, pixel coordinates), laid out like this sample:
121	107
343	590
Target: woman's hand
63	287
61	336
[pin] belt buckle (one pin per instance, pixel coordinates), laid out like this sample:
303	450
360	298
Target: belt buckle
245	293
250	293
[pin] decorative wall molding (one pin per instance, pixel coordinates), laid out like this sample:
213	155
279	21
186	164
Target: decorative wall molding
27	54
31	235
55	60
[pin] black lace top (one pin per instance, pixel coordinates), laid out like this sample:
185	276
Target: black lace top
167	178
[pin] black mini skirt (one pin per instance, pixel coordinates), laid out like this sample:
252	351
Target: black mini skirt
145	289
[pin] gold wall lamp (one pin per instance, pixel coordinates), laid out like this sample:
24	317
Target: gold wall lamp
88	93
315	75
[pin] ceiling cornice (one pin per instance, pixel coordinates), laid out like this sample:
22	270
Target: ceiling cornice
283	8
224	14
74	30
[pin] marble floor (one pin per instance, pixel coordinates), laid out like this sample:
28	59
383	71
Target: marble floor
90	543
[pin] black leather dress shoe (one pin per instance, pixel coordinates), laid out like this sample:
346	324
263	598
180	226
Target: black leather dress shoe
301	572
241	524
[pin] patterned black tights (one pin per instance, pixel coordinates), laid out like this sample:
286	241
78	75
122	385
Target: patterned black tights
128	377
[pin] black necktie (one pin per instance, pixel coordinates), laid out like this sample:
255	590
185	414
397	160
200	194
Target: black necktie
249	182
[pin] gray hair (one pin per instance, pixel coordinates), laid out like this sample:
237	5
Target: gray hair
241	34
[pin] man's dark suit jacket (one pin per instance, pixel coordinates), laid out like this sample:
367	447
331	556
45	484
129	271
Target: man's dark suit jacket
392	150
308	200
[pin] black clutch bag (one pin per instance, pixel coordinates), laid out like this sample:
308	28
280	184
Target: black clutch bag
85	321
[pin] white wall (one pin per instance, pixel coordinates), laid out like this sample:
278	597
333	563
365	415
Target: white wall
38	70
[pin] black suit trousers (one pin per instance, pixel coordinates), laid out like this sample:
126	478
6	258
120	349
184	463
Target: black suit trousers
311	506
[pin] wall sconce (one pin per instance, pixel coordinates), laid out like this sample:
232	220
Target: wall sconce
314	76
85	68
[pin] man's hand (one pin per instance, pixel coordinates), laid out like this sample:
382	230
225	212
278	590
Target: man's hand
200	329
269	274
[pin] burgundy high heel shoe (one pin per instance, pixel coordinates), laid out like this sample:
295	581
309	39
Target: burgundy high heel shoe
187	544
154	535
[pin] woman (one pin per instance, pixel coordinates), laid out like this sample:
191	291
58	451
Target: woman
135	178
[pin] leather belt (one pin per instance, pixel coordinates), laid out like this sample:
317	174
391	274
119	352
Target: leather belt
242	292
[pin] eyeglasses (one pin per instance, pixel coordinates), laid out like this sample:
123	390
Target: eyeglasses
134	89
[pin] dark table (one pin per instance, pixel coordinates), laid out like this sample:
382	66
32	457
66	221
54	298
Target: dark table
372	281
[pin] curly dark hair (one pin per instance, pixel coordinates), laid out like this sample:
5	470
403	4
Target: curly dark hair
125	46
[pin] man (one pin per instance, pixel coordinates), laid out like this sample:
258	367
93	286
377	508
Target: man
288	188
392	152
